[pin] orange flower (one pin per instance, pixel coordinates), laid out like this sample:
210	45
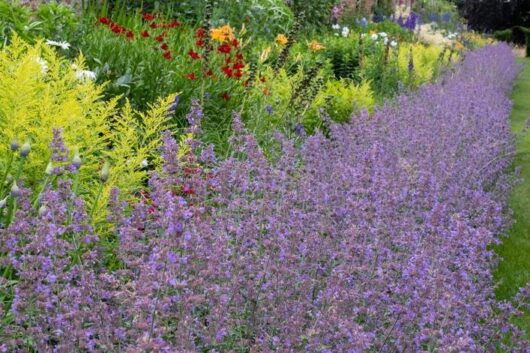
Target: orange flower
222	34
281	39
315	45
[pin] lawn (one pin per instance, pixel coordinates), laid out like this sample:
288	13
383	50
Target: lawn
514	270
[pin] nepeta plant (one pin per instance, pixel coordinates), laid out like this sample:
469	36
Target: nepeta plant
372	240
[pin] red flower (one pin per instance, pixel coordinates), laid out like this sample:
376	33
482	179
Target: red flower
167	55
226	96
239	56
159	38
164	46
238	65
104	20
148	17
153	25
191	76
246	83
238	74
228	60
194	55
209	73
116	29
200	32
145	34
130	35
224	48
235	43
174	24
187	190
199	42
227	71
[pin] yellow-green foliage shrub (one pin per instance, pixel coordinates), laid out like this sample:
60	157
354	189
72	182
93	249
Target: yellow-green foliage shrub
340	99
426	62
39	91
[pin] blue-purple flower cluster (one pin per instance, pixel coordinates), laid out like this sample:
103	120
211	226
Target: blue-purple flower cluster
372	239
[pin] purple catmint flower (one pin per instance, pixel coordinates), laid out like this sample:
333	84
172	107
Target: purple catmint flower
366	239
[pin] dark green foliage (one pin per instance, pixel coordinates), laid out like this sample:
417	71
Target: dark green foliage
504	35
317	12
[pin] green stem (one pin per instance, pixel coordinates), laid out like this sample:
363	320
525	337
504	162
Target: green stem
36	200
8	168
98	195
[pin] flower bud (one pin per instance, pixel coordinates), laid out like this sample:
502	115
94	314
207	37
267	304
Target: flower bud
25	150
49	168
3	203
42	209
104	174
76	161
15	190
14	145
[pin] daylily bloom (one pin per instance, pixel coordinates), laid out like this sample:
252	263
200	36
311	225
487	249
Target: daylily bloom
281	39
315	45
222	34
224	48
194	55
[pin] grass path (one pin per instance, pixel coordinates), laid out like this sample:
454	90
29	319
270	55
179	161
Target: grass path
514	269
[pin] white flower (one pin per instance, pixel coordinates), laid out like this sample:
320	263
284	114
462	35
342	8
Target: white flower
82	75
383	34
393	44
336	26
144	163
363	35
385	41
374	36
43	64
63	45
345	31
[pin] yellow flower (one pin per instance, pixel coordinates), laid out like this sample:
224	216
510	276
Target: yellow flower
459	46
281	39
264	54
184	147
315	46
222	34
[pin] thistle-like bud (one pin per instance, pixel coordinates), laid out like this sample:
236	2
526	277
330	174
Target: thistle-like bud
105	171
49	168
25	150
14	145
42	210
15	190
76	161
3	203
